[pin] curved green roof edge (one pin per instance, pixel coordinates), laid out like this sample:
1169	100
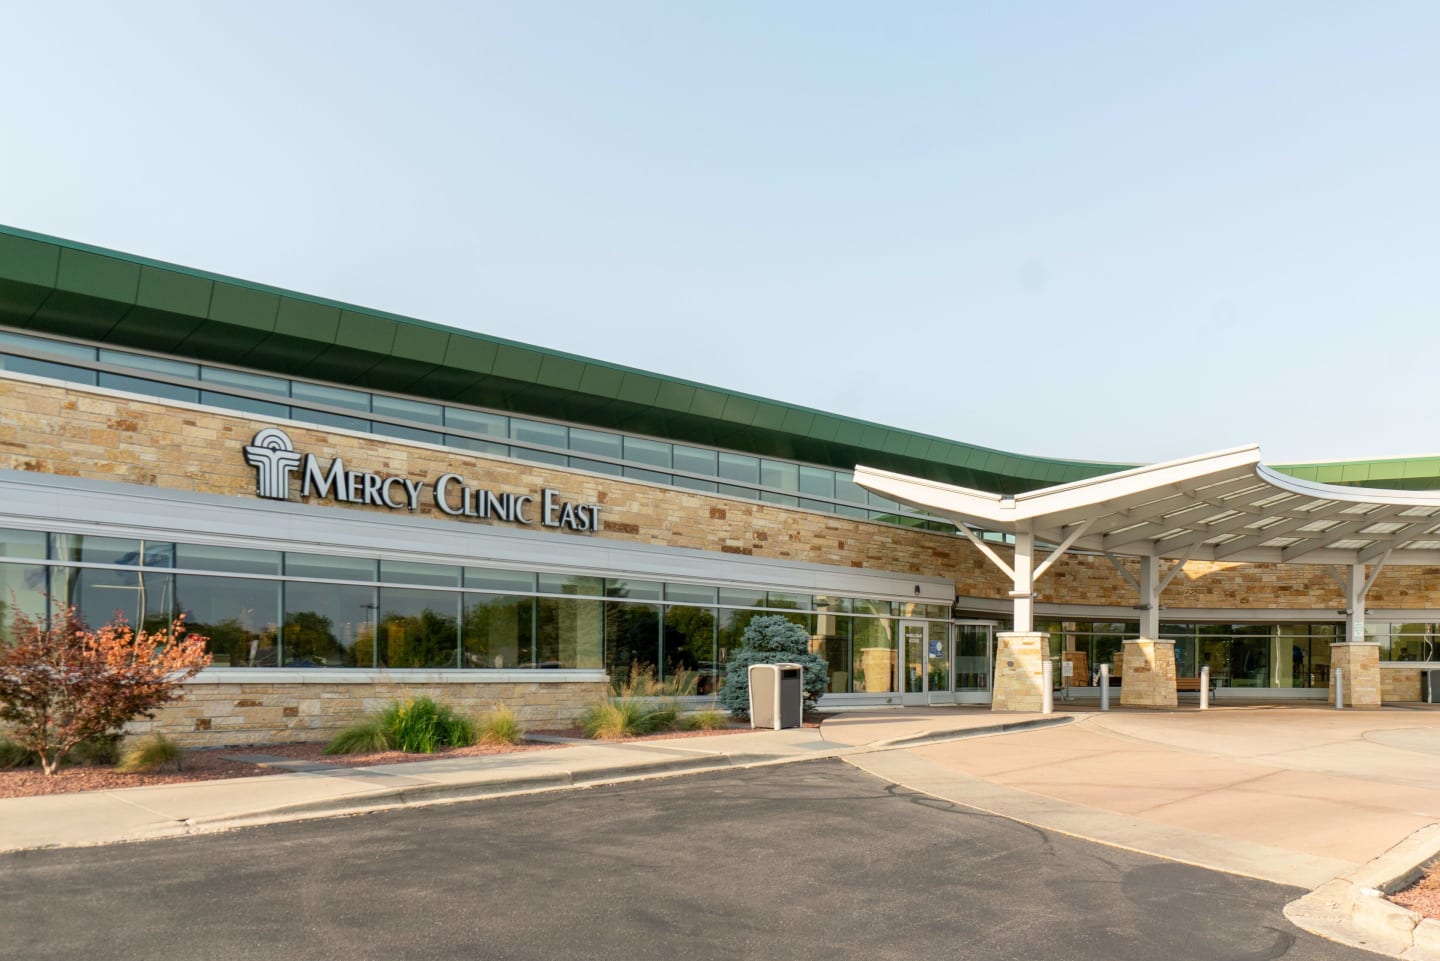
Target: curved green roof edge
63	287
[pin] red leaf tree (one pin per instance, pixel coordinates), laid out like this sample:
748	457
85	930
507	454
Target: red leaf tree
63	684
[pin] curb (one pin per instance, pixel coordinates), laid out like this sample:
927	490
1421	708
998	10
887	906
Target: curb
395	798
928	737
1352	909
387	799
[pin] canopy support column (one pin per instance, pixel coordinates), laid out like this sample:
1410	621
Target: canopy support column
1147	666
1023	591
1355	660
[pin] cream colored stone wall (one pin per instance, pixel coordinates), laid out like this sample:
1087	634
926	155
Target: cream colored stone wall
1148	674
1399	684
1360	664
1020	671
77	432
213	715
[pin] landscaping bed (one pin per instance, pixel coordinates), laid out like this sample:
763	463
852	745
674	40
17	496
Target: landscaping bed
210	764
1423	896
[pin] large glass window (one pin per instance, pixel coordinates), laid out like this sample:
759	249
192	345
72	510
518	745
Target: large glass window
329	625
240	615
874	655
499	631
632	641
23	587
689	646
418	628
569	632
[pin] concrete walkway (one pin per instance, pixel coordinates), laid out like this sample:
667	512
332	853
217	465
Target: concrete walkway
1296	795
170	810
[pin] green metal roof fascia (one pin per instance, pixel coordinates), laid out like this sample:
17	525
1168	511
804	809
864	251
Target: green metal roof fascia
1398	473
370	367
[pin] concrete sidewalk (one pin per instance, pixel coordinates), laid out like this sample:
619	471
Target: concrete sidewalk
170	810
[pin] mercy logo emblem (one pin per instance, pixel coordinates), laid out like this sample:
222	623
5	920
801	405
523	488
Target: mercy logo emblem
274	458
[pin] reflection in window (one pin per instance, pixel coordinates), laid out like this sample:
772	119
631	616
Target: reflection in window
568	633
499	631
100	596
23	590
241	617
873	655
418	628
329	625
689	646
632	640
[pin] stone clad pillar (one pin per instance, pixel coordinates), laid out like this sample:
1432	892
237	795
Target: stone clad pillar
1147	674
1018	679
1361	666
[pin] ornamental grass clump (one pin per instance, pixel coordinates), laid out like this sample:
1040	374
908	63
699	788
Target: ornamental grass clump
621	717
500	726
705	721
150	754
366	737
419	725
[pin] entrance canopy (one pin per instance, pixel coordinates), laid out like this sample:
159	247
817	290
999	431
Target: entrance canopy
1217	507
1226	506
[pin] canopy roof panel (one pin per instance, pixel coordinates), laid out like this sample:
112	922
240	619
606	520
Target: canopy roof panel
1225	506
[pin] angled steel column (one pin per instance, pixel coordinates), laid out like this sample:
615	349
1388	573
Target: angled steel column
1023	593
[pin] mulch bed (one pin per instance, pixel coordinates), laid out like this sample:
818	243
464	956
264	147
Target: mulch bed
210	764
1422	896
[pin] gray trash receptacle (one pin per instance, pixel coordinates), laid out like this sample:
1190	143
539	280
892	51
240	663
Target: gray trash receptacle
777	695
1432	686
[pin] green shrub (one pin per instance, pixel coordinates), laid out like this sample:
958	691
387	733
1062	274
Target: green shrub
772	639
705	721
619	717
500	726
367	737
417	726
150	754
14	755
423	726
104	749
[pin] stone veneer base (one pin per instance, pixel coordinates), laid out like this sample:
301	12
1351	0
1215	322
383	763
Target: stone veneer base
1019	678
1147	674
220	713
1360	664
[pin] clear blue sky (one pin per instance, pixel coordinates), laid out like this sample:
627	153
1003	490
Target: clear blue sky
1124	231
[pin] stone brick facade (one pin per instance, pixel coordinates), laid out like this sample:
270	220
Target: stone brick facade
101	435
1019	671
214	714
1400	684
1360	664
1148	674
90	433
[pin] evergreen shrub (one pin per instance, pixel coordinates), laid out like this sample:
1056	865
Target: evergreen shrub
772	639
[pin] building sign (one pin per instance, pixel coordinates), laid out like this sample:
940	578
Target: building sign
276	460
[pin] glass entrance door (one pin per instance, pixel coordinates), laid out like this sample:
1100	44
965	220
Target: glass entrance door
927	675
974	661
